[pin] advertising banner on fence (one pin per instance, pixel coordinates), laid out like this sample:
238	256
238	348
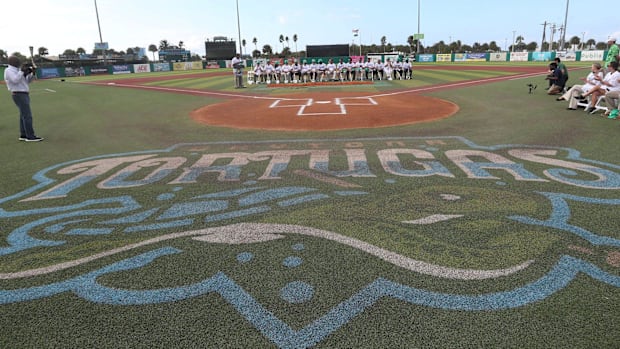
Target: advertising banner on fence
569	56
161	67
46	73
596	55
519	56
187	65
444	57
98	70
141	68
426	58
498	56
212	65
69	71
470	57
121	69
541	56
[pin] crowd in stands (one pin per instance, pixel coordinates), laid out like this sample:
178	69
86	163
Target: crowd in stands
600	90
319	71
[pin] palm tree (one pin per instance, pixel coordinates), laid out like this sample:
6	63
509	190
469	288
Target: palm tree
295	41
44	52
255	42
3	56
383	41
287	42
282	40
153	49
243	42
590	43
410	41
181	43
163	44
519	40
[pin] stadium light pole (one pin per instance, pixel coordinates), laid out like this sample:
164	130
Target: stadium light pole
563	39
239	29
417	49
100	37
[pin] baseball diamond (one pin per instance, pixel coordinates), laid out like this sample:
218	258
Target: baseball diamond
456	209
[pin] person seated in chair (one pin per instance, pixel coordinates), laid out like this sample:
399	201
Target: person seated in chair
573	95
611	82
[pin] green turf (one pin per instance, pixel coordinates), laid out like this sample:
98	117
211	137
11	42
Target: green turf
81	121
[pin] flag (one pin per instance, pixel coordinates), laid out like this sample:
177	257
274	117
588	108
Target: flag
356	32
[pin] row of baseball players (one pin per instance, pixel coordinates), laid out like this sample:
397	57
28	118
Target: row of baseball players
317	71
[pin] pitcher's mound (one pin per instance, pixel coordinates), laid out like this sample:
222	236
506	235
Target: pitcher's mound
324	111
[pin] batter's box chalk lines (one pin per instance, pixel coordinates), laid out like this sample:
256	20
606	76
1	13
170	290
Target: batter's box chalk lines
339	105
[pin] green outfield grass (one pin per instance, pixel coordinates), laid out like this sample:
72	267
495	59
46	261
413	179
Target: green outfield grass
326	282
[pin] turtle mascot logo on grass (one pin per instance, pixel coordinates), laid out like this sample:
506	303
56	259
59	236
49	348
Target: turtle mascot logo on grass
300	237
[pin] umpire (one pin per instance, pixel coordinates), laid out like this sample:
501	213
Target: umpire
237	64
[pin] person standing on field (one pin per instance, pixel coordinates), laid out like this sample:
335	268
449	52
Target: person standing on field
17	82
237	64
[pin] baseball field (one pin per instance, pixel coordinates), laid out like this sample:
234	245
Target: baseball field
460	209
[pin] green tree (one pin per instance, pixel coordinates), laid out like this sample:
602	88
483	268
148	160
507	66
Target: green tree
267	50
3	56
255	42
383	41
575	41
243	43
281	40
256	53
295	42
410	41
591	43
153	49
163	44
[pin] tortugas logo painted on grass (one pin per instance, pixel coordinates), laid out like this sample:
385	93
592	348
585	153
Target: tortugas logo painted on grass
438	190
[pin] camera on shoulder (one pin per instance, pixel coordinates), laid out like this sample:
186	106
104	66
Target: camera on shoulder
27	68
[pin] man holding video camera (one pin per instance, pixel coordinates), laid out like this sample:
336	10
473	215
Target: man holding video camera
17	80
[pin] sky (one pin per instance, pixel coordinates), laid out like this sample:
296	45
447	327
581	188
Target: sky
69	24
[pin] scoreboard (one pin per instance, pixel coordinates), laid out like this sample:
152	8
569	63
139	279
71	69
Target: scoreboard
327	50
220	50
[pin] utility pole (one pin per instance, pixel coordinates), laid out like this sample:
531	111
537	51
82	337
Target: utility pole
543	37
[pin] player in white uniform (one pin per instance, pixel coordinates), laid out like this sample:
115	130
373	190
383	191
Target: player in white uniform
296	75
305	71
314	71
258	73
379	66
388	69
343	71
277	72
286	72
398	69
407	70
269	70
330	70
322	67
